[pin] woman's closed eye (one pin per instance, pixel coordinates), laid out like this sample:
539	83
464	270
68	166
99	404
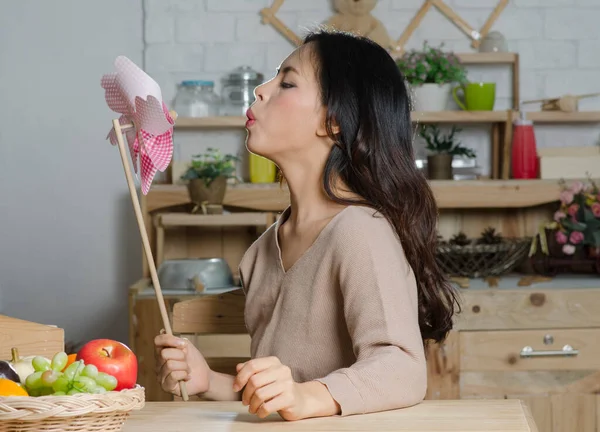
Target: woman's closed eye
286	85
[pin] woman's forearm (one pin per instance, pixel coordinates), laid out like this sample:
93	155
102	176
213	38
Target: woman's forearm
221	388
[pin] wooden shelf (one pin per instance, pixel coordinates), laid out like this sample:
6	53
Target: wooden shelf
199	220
257	197
488	58
421	117
453	194
562	117
450	194
460	116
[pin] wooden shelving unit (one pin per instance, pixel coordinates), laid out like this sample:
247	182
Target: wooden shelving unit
481	356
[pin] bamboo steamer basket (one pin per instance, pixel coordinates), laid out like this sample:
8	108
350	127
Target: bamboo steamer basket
80	412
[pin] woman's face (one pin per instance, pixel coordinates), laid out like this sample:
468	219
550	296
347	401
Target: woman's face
286	122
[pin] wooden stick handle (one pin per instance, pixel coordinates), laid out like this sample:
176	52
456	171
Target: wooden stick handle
146	243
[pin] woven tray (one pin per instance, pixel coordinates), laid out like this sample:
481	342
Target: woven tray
479	260
81	412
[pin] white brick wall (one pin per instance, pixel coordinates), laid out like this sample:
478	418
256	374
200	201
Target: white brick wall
558	42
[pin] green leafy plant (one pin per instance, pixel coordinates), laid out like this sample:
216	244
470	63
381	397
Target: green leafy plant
444	144
210	165
431	65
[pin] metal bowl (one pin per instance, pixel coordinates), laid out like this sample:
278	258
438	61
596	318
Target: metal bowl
184	274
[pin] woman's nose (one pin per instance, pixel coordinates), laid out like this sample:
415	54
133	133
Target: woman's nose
259	92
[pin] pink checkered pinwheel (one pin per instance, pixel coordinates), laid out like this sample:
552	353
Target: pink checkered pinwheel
137	97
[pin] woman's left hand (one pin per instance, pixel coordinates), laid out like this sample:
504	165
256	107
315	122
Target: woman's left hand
269	388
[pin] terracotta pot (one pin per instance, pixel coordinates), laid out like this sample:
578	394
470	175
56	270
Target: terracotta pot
213	194
439	167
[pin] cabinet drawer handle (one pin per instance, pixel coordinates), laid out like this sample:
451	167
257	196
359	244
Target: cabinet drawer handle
566	351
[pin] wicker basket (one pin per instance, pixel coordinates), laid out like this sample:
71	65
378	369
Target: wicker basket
480	260
81	412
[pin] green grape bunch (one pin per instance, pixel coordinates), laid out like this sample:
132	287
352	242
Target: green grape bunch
49	378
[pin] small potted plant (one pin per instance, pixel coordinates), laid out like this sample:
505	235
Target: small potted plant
442	150
208	174
431	72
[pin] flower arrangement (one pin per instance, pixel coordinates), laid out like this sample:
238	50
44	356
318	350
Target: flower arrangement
444	144
578	218
431	66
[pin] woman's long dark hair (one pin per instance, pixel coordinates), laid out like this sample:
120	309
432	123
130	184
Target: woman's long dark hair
367	99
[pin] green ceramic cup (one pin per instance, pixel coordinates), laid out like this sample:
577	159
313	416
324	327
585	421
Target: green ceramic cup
478	96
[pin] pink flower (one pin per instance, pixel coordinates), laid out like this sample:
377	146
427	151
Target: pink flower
568	249
596	209
576	187
566	197
576	237
572	210
559	215
561	238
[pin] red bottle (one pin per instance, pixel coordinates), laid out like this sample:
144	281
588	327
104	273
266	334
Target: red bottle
524	151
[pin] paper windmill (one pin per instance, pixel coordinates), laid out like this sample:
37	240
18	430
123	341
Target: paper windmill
137	97
148	128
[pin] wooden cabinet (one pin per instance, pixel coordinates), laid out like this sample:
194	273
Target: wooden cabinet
540	344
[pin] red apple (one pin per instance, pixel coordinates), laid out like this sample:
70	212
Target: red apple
113	358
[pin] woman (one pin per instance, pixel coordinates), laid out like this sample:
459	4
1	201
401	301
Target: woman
343	290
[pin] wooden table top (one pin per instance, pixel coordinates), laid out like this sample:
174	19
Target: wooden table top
508	415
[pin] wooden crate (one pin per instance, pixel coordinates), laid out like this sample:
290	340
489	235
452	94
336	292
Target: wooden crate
29	338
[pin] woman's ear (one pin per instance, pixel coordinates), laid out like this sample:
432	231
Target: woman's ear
322	130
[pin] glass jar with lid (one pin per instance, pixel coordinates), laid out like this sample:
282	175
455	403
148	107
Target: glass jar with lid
197	98
238	90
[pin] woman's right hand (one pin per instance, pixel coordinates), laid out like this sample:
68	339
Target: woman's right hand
179	360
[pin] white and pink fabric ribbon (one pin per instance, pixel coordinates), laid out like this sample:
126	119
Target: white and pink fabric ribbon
137	97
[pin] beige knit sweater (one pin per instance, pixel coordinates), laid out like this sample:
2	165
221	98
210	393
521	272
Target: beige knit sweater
344	314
